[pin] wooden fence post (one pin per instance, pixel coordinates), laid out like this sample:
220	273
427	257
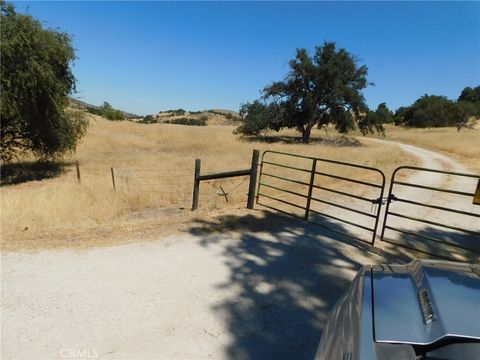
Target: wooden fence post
196	184
78	172
253	179
113	179
310	188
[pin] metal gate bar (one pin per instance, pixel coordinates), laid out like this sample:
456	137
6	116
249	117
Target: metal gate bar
347	179
343	207
282	178
391	198
343	193
435	207
434	188
311	186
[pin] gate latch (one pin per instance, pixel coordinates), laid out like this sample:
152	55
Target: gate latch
382	201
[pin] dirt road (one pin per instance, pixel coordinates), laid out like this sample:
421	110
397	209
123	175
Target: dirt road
432	160
263	292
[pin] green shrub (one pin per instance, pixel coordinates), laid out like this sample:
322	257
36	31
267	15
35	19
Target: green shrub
188	121
257	118
148	119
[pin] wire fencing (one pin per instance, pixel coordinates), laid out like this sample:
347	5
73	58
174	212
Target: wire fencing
162	187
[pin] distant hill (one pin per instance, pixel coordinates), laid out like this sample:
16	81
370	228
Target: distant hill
177	116
79	104
226	111
203	117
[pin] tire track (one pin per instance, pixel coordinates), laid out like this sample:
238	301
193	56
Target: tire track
433	160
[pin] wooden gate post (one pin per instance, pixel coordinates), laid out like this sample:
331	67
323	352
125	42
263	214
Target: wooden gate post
253	179
196	184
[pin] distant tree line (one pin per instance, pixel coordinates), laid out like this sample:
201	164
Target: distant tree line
434	111
148	119
175	112
202	121
326	89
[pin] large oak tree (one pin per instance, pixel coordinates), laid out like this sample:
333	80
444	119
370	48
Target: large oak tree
319	90
36	80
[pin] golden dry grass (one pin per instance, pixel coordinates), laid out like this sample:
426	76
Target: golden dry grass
463	145
153	165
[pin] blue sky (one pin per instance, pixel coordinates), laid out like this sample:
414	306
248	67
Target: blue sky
144	57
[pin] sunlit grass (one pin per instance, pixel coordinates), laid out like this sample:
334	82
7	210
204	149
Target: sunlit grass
153	167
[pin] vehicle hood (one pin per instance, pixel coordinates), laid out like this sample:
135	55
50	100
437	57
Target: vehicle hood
425	301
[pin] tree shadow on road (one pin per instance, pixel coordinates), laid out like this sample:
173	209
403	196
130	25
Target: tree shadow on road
428	242
287	275
20	172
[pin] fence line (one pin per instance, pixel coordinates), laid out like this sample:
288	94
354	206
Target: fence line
127	180
252	173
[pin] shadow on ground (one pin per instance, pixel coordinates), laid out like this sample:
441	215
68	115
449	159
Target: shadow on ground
287	275
20	172
437	243
285	139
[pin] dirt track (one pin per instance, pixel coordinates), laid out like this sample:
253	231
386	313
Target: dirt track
432	160
263	292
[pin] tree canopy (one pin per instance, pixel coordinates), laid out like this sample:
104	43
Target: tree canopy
319	90
434	111
36	80
438	111
385	116
469	100
470	94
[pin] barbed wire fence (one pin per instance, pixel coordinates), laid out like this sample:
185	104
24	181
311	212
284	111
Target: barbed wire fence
174	183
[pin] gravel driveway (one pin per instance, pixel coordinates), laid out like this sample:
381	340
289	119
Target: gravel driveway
264	293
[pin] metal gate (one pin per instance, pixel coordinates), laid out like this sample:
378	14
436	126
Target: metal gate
441	219
320	191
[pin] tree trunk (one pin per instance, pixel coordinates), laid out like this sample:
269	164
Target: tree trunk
306	133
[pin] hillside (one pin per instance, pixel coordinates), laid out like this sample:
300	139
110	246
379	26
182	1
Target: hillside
82	105
220	117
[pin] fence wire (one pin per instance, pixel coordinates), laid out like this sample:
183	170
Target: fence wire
176	183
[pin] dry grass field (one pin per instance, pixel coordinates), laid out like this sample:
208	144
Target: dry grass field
153	166
463	145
